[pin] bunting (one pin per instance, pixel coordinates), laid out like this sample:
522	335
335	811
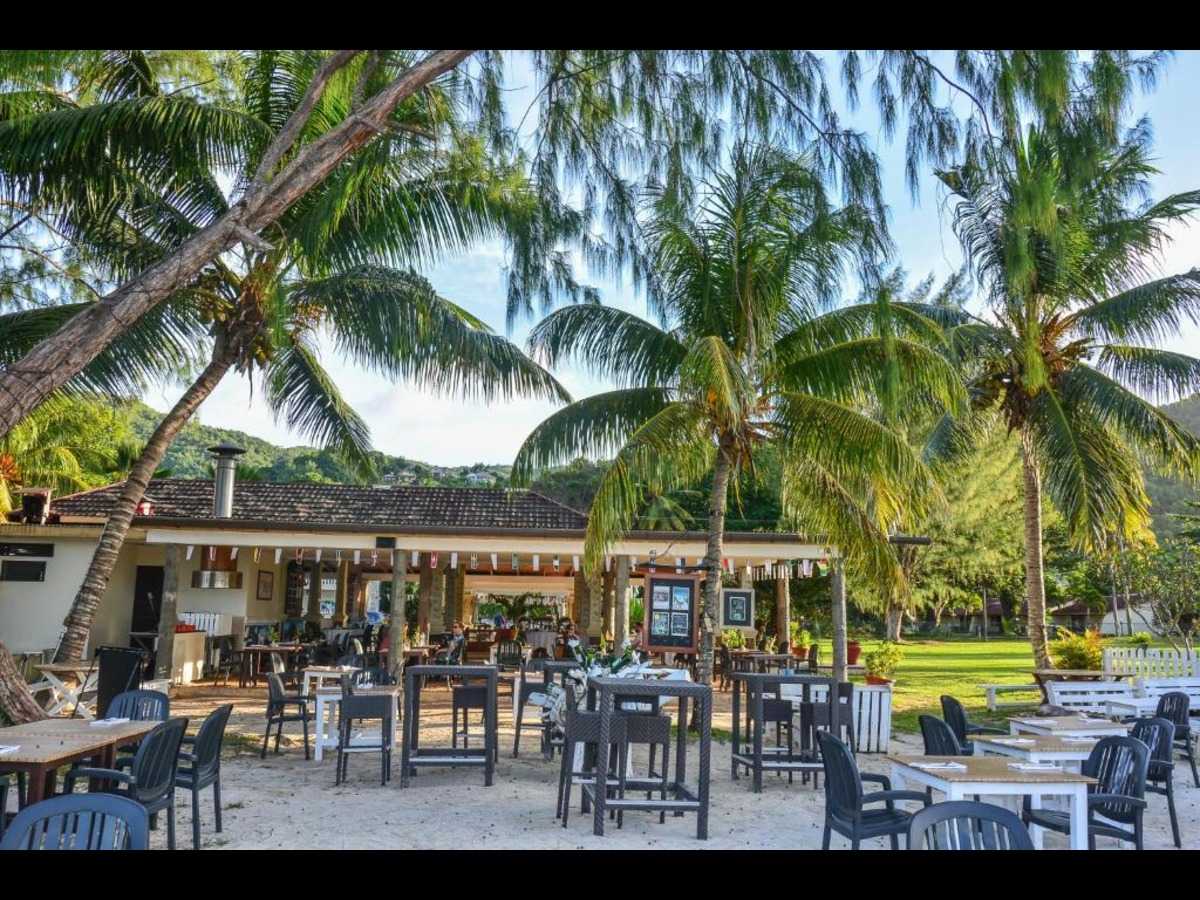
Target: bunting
257	553
233	553
278	554
356	556
454	560
557	564
416	558
374	557
433	560
495	562
188	554
474	560
516	562
575	562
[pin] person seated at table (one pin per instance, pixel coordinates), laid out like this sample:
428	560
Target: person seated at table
452	653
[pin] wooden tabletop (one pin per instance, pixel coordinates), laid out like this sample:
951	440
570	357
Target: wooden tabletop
1040	743
990	768
80	668
75	729
45	748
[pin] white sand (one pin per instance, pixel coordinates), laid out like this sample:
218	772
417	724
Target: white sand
285	802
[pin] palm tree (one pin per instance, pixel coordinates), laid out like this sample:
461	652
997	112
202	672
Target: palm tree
743	358
1065	256
330	262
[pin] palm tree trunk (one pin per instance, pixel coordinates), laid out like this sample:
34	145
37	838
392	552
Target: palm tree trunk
112	538
718	500
16	701
1035	585
895	618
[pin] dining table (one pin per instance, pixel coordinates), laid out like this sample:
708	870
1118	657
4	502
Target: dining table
1074	726
961	777
254	656
40	748
320	676
1068	751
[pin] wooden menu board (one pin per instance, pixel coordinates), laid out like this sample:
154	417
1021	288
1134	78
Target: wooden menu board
672	610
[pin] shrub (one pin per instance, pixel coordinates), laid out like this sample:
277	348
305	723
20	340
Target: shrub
732	638
1078	651
883	660
1140	639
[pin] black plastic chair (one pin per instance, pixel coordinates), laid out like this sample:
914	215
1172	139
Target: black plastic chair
967	825
1159	736
200	765
80	822
229	661
956	717
509	656
283	709
372	675
939	737
151	776
1116	802
846	803
5	782
1173	706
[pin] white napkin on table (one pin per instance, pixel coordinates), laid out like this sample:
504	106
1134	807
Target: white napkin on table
1072	739
9	748
116	720
1008	741
949	766
1035	767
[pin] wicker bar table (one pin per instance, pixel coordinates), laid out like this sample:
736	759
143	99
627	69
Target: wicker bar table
414	755
754	756
681	796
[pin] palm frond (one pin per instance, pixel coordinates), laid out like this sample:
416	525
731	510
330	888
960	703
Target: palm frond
1152	312
711	374
595	427
670	451
609	343
304	397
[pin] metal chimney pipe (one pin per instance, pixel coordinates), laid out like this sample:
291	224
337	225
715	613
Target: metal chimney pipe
225	459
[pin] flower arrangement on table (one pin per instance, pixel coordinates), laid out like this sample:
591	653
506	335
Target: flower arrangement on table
592	664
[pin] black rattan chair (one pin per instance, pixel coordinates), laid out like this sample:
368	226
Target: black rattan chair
150	779
200	765
967	825
1159	736
80	822
353	711
1116	802
529	686
847	805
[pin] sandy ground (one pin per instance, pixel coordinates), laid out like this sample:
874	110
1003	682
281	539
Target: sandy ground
287	803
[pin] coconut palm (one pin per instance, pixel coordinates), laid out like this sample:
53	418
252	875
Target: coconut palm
1065	255
744	357
332	263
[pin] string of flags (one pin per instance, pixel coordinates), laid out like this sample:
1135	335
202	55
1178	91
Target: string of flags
764	570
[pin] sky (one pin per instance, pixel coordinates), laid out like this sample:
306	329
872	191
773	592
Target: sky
408	422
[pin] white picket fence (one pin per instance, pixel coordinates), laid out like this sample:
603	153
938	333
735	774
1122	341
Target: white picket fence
1152	663
872	709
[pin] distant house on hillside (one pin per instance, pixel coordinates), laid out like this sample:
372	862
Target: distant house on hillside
1079	616
481	478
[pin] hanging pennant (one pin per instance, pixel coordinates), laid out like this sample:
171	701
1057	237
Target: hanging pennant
257	553
416	558
748	572
537	563
575	562
678	565
374	557
188	554
557	564
516	562
356	556
454	560
806	568
317	557
632	562
653	560
299	555
279	553
607	560
474	560
212	552
233	553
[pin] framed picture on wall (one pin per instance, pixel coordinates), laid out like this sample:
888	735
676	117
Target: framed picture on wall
674	613
737	608
266	585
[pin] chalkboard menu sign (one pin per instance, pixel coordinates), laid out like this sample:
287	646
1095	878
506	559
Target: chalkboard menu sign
672	613
737	608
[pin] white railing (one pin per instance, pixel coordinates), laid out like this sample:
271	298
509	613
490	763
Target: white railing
1152	663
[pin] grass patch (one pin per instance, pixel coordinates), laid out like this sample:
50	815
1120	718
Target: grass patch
955	666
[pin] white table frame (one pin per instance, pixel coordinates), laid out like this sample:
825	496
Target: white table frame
315	677
1075	792
1133	706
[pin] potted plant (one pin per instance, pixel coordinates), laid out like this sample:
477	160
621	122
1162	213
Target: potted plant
800	638
881	663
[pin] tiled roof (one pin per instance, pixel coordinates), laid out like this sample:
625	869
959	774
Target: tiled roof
404	508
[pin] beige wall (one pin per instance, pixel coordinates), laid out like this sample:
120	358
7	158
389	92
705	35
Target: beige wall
32	613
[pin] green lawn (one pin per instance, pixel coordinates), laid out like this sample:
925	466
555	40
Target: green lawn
957	667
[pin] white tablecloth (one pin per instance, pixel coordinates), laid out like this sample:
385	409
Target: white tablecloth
544	640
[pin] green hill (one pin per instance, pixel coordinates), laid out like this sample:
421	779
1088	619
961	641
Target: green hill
1168	495
188	457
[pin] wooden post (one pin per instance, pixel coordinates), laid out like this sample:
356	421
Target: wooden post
621	625
837	584
343	591
398	630
437	596
424	593
782	605
164	651
314	593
